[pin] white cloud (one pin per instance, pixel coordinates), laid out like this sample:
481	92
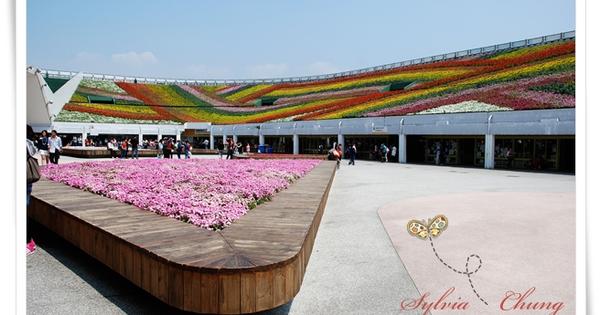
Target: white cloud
321	67
133	58
84	58
268	70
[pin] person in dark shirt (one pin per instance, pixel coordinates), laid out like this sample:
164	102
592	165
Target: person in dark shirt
42	146
135	148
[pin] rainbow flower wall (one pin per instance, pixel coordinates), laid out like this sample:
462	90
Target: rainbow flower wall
538	77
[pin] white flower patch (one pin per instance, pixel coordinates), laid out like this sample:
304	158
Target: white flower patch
465	107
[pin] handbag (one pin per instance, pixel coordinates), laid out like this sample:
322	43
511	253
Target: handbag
33	169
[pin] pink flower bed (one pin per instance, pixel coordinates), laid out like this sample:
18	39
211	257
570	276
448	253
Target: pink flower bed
207	193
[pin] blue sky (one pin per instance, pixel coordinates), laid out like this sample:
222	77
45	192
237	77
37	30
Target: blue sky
267	38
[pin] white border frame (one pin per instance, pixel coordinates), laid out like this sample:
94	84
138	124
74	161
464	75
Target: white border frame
14	284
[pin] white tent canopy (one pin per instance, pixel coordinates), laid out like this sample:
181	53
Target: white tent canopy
42	104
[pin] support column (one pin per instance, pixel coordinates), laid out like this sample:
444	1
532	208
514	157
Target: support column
402	148
296	143
178	135
235	138
83	138
159	135
261	139
224	139
489	151
341	141
212	140
141	137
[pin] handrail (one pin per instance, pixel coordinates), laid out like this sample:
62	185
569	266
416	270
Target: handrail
441	57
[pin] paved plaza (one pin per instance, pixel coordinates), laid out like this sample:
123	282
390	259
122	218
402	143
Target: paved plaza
354	267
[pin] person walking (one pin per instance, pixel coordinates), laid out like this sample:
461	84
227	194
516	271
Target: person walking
394	152
221	148
338	154
188	150
352	154
438	152
110	147
135	153
168	149
42	146
160	147
124	148
54	147
230	148
509	158
179	149
384	153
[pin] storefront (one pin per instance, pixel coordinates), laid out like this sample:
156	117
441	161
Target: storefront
446	150
316	144
280	144
367	147
199	138
545	153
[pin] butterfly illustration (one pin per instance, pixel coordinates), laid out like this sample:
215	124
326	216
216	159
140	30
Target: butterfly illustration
423	230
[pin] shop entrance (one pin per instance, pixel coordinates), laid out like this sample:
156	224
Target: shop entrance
540	153
280	144
446	150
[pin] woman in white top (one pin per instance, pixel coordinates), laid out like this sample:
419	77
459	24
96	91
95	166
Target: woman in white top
54	147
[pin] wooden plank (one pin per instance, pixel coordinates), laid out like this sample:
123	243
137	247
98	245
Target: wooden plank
209	290
248	292
264	290
279	286
192	290
229	293
175	287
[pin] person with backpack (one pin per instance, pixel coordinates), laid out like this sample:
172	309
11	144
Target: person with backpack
384	153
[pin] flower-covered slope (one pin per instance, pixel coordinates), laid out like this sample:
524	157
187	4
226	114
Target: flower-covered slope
207	193
527	78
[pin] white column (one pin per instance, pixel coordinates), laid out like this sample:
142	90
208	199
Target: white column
224	138
402	148
83	137
159	135
296	143
341	141
489	151
178	135
212	140
235	138
261	139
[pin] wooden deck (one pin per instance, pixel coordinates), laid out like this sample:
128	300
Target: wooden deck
255	264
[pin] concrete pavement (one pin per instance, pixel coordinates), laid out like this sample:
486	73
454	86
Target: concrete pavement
353	269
